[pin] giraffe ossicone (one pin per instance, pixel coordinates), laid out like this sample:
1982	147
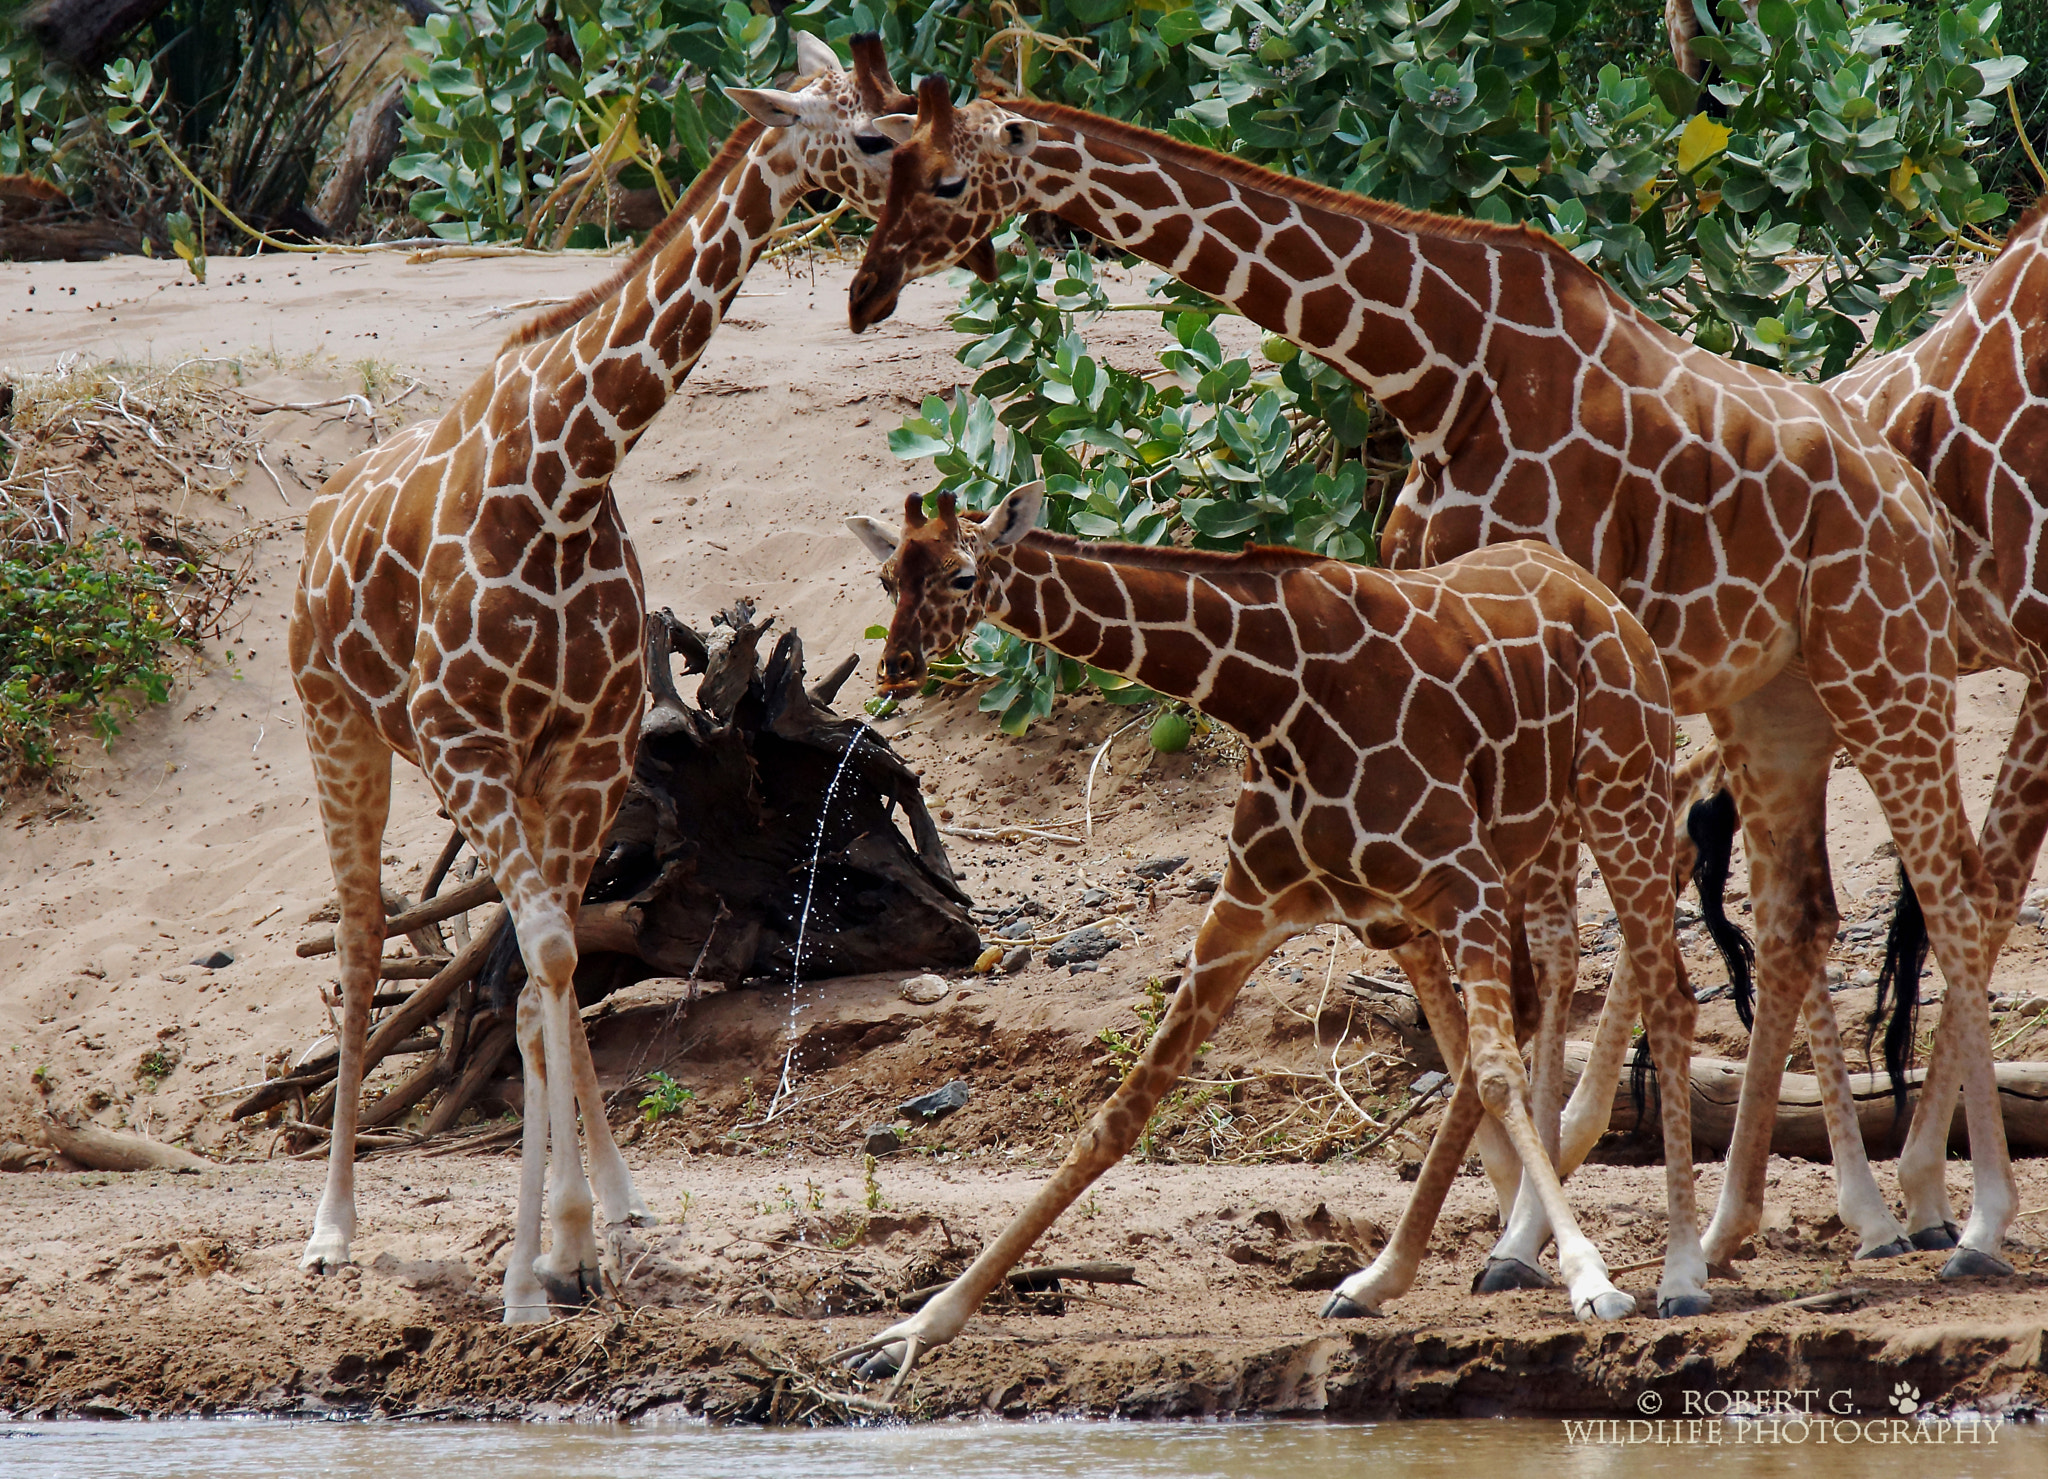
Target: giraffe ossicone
470	600
1783	556
1417	746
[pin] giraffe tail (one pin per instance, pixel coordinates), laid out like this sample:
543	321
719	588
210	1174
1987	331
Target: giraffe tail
1712	824
1905	953
1642	1085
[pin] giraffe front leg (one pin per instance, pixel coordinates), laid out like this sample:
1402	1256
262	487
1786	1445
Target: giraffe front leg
1237	934
1392	1274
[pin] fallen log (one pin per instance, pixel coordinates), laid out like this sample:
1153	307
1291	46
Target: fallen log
111	1150
1042	1280
477	892
1801	1131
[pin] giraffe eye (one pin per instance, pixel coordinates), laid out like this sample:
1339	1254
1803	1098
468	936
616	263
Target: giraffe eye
873	143
964	581
949	189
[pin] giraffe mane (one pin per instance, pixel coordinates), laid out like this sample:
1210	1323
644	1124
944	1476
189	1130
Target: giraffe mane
1253	557
562	315
1169	150
2031	217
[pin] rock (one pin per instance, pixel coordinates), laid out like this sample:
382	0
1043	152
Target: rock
1320	1265
1077	967
1094	898
929	1109
2031	914
1208	883
215	961
881	1140
1089	943
924	990
1159	867
1424	1085
1016	929
1017	960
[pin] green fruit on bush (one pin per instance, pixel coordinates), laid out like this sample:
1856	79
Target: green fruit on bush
1171	733
1715	335
1279	350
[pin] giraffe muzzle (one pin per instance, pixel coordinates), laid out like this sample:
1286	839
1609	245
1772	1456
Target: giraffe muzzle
901	674
873	296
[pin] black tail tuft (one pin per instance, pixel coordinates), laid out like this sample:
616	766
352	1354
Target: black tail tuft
1643	1085
1711	824
504	972
1905	954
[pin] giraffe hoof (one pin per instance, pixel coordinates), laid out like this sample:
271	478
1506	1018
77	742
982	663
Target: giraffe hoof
1684	1306
1341	1307
881	1364
1503	1274
1968	1263
1934	1239
1892	1249
568	1292
1612	1305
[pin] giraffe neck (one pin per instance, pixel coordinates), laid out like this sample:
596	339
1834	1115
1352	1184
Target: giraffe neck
596	386
1211	630
1403	302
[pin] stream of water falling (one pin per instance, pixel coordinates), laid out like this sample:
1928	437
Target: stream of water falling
803	922
1299	1449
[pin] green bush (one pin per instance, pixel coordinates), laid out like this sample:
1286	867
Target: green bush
85	630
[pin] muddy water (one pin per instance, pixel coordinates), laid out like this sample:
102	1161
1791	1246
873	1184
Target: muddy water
261	1449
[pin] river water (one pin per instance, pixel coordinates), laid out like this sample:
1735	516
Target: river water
269	1449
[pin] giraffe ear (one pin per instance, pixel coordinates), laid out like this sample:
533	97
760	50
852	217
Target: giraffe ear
880	539
771	106
981	260
1018	136
897	127
814	55
1016	516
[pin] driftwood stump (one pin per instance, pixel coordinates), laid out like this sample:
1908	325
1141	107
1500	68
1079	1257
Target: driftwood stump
371	145
763	838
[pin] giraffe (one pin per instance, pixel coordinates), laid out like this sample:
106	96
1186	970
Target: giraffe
469	600
1783	556
1415	743
1967	404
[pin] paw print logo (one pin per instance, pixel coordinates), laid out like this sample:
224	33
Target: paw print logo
1906	1398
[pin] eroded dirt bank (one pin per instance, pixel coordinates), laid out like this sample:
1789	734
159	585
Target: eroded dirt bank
156	1294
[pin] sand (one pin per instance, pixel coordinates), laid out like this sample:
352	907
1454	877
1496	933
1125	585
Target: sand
197	833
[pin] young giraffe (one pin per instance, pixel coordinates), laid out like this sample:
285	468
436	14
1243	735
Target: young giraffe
1782	555
1414	744
470	601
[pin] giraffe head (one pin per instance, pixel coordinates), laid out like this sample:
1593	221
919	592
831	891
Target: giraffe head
939	571
955	176
831	116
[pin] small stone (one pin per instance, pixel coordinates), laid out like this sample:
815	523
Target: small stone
1079	967
1017	960
1837	971
1320	1265
214	961
924	990
1424	1085
1159	867
1208	883
1083	944
1094	898
2030	914
928	1109
881	1140
1016	929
